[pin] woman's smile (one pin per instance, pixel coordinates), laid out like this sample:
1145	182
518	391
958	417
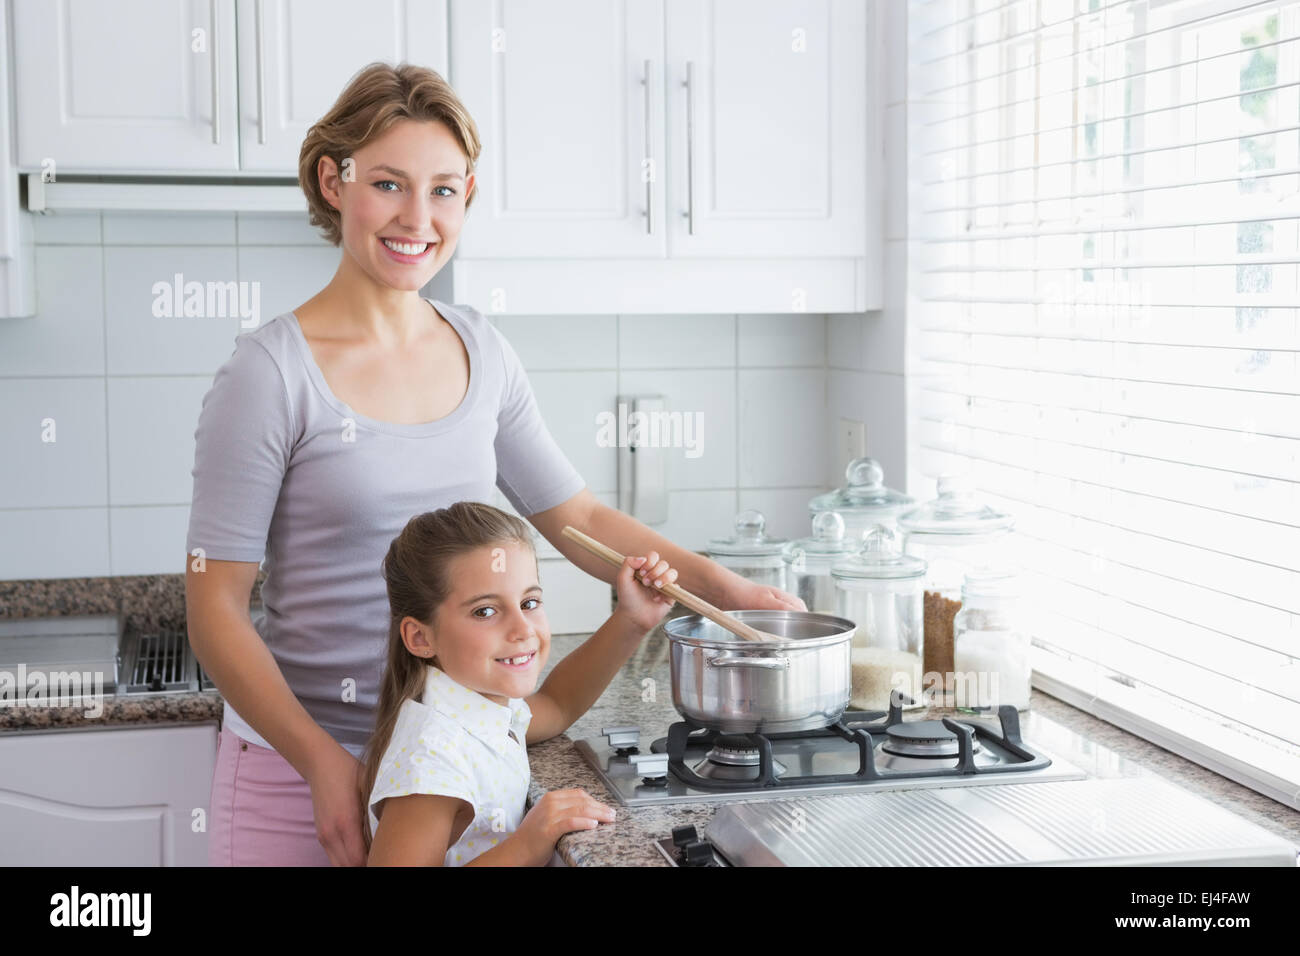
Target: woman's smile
409	253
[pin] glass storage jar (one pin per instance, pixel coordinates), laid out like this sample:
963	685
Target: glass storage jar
864	501
954	534
991	643
879	588
808	562
750	552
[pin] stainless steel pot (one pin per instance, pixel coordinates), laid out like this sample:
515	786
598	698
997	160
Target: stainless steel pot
800	682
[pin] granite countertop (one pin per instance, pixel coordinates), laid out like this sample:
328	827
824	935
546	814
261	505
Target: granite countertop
641	694
124	710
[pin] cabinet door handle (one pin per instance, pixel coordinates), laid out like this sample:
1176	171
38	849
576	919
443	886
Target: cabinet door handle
261	78
649	156
690	159
216	84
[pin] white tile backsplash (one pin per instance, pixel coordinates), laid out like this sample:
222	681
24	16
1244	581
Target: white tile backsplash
844	339
676	341
696	516
54	543
781	340
149	540
151	424
277	229
781	441
67	337
570	403
878	400
70	470
785	509
140	343
78	228
545	342
169	228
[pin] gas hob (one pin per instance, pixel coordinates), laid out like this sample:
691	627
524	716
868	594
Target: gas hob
863	751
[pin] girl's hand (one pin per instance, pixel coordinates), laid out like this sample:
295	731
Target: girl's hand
336	803
558	812
639	598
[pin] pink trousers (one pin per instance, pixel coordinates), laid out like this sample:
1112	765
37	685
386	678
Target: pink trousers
260	813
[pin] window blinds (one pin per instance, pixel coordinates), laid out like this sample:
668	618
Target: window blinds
1104	331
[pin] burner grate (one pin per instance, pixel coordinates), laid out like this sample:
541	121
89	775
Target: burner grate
858	731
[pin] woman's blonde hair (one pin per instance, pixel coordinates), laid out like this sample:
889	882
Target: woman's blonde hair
416	572
374	99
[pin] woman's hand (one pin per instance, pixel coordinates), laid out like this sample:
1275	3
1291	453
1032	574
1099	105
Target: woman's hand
335	783
745	595
556	813
639	598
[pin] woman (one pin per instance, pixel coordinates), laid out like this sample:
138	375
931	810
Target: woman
326	430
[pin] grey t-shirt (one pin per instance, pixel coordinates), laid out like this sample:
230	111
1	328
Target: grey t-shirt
283	468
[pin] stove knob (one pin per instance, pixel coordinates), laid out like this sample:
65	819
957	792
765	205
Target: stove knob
697	854
684	836
650	766
624	740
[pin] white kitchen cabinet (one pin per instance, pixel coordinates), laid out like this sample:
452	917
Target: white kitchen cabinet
296	56
766	148
568	100
148	87
107	796
769	139
765	168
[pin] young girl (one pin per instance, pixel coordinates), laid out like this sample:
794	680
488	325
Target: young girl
446	771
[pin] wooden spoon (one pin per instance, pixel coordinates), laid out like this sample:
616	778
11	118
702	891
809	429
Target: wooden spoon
677	593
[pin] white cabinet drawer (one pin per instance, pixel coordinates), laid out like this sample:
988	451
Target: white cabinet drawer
106	796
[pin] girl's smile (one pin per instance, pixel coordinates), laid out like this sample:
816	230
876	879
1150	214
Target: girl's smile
519	662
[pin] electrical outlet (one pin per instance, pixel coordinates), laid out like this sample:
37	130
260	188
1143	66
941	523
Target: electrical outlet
852	442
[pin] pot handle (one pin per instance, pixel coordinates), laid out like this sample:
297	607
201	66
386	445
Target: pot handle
769	663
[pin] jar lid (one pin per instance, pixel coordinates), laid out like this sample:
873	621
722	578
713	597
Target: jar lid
827	541
879	557
749	538
1000	582
955	511
864	492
